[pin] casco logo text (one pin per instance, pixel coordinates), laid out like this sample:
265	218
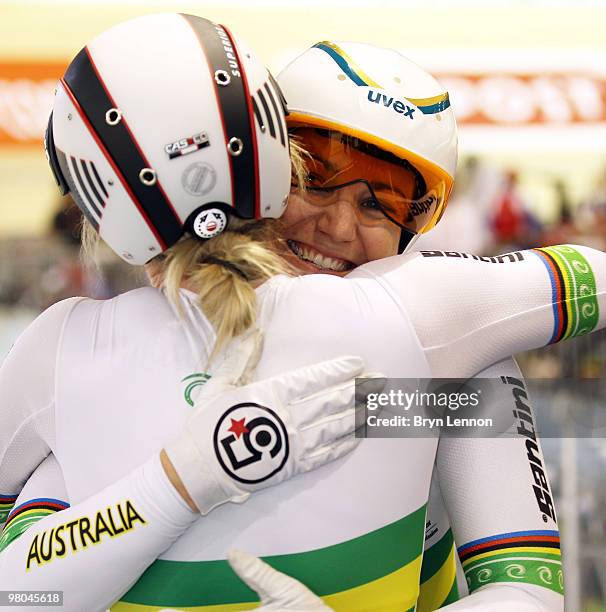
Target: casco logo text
397	105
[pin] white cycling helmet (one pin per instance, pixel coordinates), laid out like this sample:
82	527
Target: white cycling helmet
164	124
388	107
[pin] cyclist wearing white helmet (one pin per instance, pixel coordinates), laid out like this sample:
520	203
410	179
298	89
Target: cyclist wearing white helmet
125	156
391	140
382	137
374	557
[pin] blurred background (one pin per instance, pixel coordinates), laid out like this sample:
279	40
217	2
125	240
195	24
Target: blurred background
527	81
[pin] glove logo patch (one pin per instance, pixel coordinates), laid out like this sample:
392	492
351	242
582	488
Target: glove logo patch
251	443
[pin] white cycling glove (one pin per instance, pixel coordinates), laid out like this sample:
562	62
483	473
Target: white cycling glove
242	439
278	592
281	593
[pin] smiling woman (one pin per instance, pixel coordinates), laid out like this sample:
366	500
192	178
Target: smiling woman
324	243
354	203
403	143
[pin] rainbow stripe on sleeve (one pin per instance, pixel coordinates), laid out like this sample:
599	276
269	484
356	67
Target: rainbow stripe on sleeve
25	515
6	504
532	557
573	288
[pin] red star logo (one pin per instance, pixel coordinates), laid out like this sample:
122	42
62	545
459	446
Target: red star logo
238	427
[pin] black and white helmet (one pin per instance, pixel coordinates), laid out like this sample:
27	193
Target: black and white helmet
165	124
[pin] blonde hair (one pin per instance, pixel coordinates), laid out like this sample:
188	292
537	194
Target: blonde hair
222	270
298	159
89	243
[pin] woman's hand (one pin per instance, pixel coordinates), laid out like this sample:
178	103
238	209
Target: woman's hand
278	592
241	439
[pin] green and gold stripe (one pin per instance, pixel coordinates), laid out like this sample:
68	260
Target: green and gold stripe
438	575
378	571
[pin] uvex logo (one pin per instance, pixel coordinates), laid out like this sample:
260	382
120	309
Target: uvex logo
397	105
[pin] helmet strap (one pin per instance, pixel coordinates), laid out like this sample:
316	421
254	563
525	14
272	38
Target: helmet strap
406	237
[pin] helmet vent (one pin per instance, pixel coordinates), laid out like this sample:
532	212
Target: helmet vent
148	177
266	105
258	116
91	188
222	78
235	146
113	116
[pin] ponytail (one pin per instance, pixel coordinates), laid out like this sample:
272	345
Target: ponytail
222	271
